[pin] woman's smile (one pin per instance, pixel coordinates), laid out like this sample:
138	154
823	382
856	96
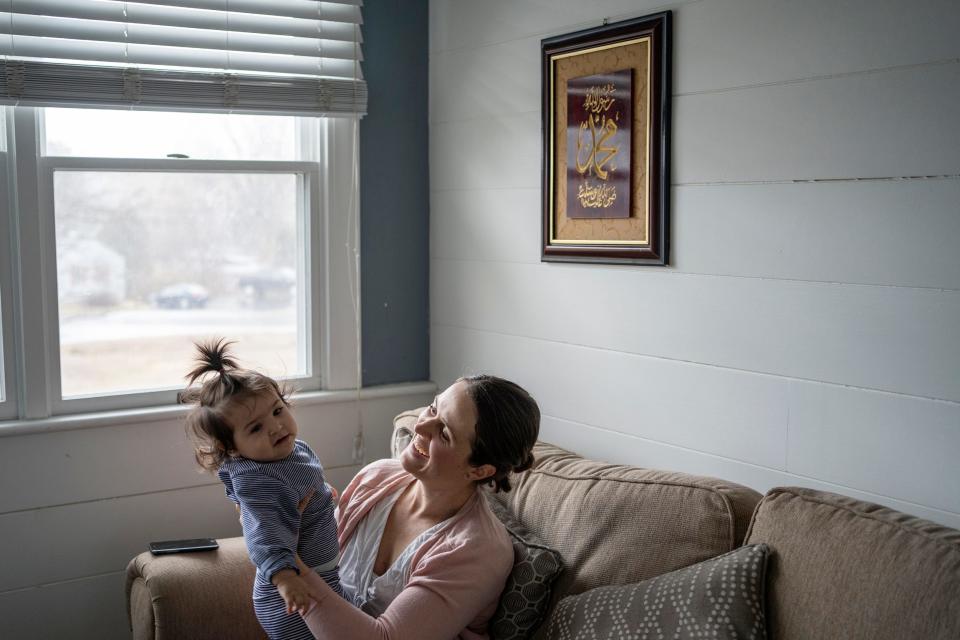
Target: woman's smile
419	449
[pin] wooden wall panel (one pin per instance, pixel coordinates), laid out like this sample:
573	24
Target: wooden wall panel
735	414
720	44
899	123
487	153
864	126
487	82
105	534
85	609
893	445
731	43
890	233
887	233
885	444
501	225
123	459
892	339
626	449
456	24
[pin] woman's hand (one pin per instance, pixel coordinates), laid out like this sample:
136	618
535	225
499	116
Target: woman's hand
306	500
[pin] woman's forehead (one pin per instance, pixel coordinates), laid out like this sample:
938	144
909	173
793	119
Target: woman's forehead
456	402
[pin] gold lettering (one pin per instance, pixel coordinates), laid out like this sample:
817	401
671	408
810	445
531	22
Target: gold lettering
595	153
599	196
599	98
599	154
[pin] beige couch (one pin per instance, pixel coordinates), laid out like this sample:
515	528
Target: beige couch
839	568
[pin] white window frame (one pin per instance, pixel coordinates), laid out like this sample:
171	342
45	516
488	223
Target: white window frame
8	404
328	266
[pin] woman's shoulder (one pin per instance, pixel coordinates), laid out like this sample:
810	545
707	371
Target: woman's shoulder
371	485
480	527
475	544
379	470
373	480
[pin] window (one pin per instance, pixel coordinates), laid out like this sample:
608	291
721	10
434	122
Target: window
138	216
156	229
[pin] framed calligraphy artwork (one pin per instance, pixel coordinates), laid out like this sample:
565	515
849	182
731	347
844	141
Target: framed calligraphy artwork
606	151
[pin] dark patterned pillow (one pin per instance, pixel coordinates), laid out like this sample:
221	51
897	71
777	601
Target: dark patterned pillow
525	598
722	597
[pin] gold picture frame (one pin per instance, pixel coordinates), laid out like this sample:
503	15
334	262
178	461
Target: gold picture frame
606	122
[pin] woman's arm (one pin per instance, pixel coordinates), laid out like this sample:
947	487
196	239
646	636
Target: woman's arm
442	598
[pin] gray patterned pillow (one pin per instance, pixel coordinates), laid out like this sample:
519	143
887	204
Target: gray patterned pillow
525	598
722	597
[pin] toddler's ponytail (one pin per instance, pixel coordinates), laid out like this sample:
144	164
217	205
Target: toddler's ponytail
213	356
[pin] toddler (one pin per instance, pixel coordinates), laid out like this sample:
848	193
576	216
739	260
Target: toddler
243	429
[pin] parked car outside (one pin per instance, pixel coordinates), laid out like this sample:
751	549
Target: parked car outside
268	287
183	295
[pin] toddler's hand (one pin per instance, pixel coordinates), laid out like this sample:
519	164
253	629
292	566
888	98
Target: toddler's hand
294	591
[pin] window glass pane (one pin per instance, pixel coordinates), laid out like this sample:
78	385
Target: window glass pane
148	262
3	380
155	134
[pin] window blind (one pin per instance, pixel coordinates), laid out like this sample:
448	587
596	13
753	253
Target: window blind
294	57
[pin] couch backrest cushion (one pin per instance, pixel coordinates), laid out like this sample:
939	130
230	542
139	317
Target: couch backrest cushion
617	524
403	425
843	568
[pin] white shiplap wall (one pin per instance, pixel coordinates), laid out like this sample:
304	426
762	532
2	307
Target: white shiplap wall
77	504
808	329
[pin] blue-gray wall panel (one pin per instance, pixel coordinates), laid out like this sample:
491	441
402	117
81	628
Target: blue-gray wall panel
394	194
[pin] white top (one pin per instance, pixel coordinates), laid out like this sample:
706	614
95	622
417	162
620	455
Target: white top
366	590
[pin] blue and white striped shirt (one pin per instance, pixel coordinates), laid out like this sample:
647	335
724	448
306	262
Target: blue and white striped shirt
268	494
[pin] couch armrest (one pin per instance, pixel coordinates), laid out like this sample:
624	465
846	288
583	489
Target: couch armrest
200	595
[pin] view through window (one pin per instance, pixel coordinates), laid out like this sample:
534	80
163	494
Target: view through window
150	260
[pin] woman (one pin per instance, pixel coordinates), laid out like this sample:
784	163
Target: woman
423	557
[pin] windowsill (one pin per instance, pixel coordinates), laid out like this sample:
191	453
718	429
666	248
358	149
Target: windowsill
156	414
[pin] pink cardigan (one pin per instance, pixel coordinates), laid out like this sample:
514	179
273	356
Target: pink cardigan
456	576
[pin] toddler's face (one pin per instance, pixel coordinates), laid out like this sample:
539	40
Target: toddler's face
264	429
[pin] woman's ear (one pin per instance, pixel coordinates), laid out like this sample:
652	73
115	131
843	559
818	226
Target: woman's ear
482	472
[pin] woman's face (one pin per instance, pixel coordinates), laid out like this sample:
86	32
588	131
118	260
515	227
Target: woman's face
439	452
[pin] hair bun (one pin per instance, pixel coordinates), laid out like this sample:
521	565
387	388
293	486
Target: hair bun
526	464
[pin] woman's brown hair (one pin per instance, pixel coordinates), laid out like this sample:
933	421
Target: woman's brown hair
206	426
508	423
